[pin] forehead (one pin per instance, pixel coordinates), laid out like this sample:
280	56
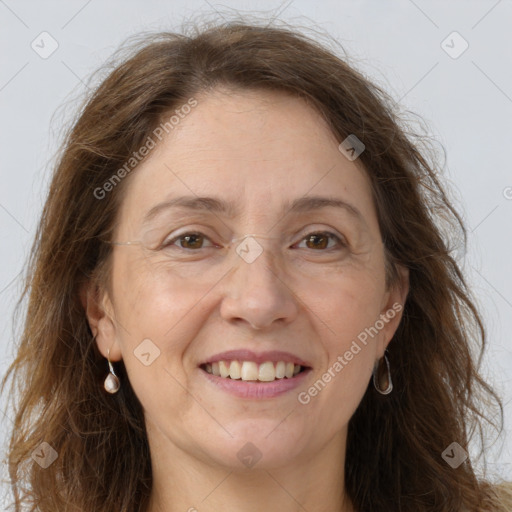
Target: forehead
257	150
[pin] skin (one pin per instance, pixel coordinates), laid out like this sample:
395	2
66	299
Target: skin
259	150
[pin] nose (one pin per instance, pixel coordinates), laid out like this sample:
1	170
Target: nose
256	292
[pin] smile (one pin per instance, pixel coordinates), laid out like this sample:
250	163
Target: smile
252	371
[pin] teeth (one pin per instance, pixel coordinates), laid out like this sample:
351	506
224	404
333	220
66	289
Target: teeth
224	369
280	369
267	372
249	370
235	370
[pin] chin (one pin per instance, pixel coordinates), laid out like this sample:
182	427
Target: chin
258	444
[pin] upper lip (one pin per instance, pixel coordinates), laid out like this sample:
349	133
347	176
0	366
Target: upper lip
260	357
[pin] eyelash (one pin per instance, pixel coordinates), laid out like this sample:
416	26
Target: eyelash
170	243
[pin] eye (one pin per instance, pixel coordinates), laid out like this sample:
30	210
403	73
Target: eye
320	240
189	241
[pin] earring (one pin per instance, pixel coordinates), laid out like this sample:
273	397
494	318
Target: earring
111	384
382	376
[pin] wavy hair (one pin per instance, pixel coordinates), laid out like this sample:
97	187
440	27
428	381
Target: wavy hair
395	443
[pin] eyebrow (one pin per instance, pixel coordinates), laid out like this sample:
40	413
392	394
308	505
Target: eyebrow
212	204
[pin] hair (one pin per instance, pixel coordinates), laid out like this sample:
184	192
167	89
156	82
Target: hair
395	443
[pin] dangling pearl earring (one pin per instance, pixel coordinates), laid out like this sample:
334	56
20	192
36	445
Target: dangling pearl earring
111	384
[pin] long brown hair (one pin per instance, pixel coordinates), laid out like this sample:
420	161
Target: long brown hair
395	443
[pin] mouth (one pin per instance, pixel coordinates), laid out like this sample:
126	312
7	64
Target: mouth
267	371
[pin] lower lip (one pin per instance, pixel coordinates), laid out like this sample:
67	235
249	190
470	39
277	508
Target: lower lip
255	389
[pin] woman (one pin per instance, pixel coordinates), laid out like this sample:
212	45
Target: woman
240	297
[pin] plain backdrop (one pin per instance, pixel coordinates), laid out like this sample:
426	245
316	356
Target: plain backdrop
459	83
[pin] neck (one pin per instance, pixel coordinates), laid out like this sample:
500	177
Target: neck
188	484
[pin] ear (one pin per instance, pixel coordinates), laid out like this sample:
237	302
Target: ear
100	315
393	307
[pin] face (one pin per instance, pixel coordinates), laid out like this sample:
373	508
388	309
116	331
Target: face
306	294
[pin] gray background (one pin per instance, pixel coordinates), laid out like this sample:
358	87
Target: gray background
466	102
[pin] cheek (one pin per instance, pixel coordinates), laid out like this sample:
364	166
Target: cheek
151	301
350	303
155	325
349	343
156	319
348	319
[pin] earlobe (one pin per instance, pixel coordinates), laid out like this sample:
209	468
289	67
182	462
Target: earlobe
394	307
99	312
404	283
400	289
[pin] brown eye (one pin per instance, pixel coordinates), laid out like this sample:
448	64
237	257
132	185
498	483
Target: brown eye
187	241
193	241
321	240
317	241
